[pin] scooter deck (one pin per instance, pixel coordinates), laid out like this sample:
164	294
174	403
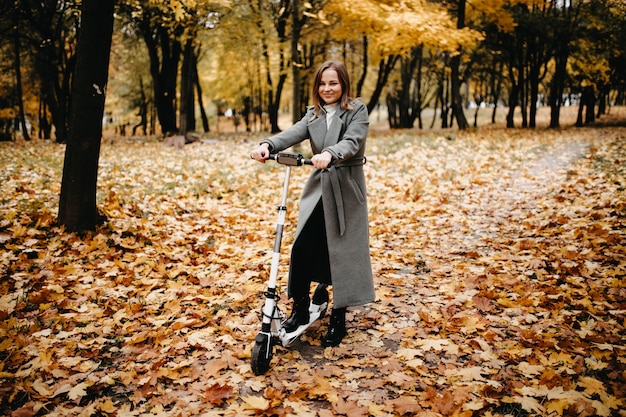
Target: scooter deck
316	311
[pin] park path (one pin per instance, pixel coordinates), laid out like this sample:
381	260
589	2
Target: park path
498	207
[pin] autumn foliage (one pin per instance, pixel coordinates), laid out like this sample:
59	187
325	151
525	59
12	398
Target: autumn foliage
499	261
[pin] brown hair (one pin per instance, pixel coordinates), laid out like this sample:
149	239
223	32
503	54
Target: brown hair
344	80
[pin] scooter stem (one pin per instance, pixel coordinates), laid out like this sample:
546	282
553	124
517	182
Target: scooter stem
282	211
270	303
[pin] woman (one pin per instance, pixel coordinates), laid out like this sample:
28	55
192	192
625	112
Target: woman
332	237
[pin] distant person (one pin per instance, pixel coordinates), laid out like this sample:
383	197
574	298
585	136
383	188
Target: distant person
332	237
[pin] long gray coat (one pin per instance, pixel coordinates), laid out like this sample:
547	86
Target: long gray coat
343	192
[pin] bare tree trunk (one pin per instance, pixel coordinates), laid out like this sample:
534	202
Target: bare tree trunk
77	204
384	69
496	87
513	98
187	120
445	102
18	78
164	53
196	82
296	25
365	64
455	62
556	89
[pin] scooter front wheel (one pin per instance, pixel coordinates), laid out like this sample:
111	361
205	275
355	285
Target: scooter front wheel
262	353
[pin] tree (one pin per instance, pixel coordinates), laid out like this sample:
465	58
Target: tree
296	62
50	30
398	28
18	74
594	54
566	23
169	29
455	63
77	205
488	61
186	120
408	96
617	60
279	14
164	49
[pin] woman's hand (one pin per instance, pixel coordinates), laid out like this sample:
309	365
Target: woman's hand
321	160
261	153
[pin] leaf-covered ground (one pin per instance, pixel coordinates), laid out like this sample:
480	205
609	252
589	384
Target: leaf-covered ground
499	259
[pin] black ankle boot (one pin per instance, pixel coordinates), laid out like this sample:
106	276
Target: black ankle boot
299	315
336	328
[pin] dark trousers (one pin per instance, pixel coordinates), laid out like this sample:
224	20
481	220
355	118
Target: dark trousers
309	256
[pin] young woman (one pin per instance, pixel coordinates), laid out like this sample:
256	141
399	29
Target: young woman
332	237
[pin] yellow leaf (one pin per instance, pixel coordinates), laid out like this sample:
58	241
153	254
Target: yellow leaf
108	407
527	369
256	403
601	409
473	373
591	385
42	388
8	303
528	403
557	406
78	391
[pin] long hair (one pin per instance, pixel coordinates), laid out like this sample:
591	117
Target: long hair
344	79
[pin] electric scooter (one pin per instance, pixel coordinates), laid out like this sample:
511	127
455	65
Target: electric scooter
272	330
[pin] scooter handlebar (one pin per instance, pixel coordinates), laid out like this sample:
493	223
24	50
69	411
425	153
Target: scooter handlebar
291	159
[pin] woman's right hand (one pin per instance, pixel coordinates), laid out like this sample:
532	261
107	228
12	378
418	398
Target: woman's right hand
261	153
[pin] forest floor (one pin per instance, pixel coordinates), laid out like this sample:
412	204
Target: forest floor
499	260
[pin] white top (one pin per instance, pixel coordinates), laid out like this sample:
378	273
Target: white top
331	109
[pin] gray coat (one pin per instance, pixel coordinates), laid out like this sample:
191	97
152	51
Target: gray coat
343	192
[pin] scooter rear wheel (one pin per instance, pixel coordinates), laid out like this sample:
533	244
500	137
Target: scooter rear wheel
262	354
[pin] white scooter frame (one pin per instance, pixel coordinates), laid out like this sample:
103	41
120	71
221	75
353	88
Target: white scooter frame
272	325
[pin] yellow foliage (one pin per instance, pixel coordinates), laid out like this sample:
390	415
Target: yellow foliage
493	11
396	27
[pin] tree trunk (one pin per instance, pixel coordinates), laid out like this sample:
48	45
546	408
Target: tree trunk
534	97
602	99
392	106
56	94
590	103
513	98
496	87
566	24
143	111
164	53
407	69
51	32
18	78
361	82
556	89
587	103
445	100
521	70
418	99
296	63
45	130
384	69
273	97
186	115
77	204
455	62
196	80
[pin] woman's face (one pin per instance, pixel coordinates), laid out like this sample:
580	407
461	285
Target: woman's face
330	88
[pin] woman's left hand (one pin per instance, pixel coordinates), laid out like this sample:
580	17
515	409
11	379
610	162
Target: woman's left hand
322	160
